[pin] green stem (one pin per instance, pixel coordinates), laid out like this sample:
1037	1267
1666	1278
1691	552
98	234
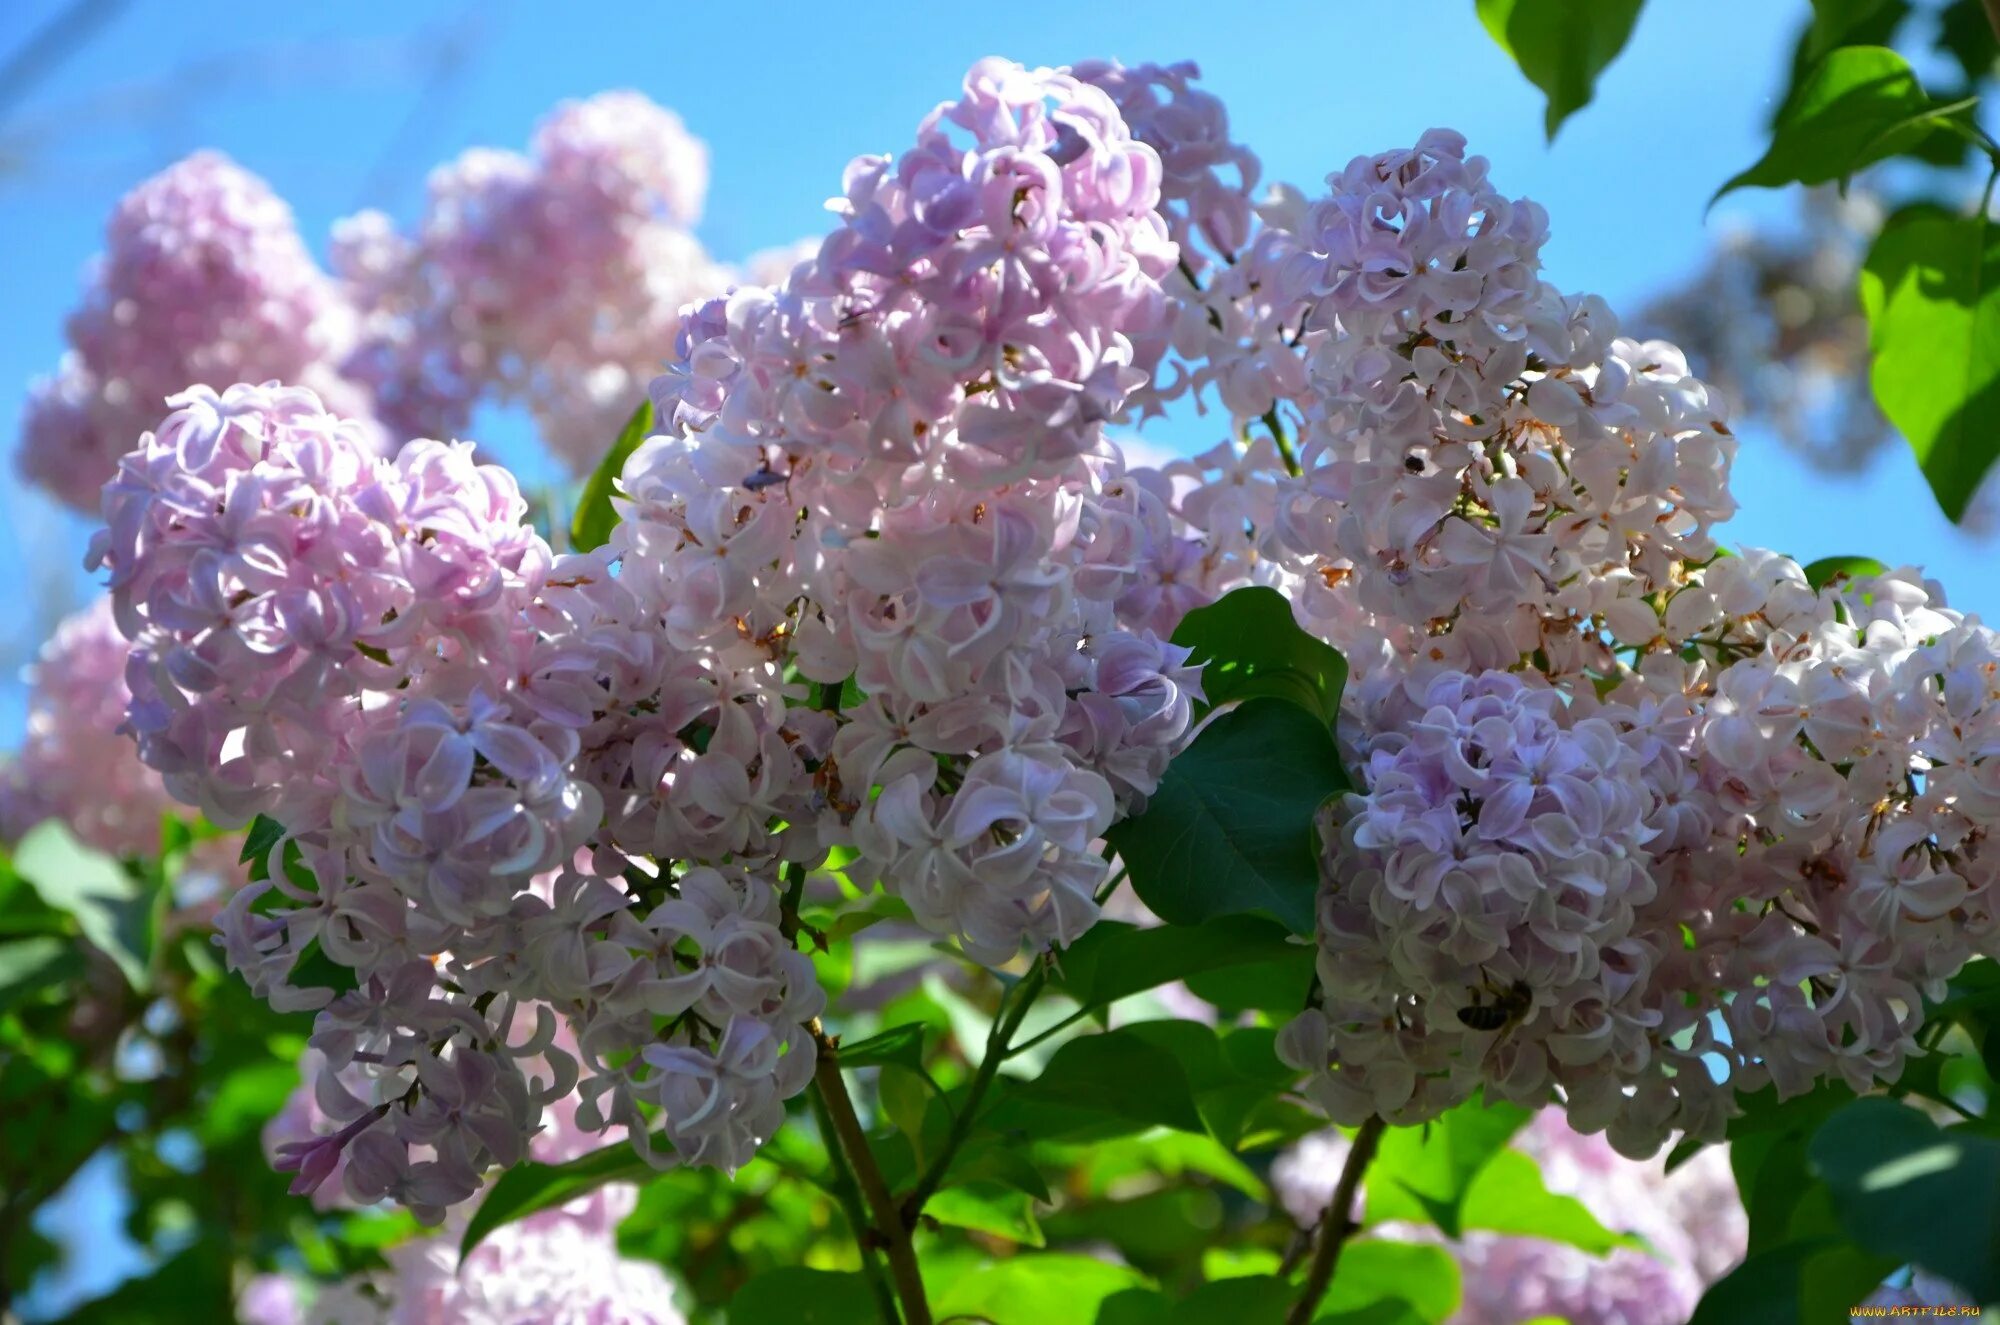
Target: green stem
1337	1225
795	891
848	1193
1061	1026
1005	1023
1284	443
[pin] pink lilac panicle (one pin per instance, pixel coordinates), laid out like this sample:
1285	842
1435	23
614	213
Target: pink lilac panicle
552	279
578	784
204	278
74	766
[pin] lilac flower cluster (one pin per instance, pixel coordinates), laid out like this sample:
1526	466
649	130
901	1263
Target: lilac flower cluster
204	278
1230	315
544	808
561	1265
893	467
1640	825
552	280
74	765
1643	825
348	644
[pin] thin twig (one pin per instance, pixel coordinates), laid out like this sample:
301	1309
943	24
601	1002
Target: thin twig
1284	443
848	1193
889	1225
54	42
1005	1023
1337	1225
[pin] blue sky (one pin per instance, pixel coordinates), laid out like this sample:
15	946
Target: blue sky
349	105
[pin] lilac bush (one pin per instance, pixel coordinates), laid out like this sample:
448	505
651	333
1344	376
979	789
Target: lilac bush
562	849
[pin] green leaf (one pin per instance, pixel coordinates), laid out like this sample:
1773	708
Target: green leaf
315	970
1103	1166
1857	106
1835	21
23	913
1763	1110
1509	1196
1931	289
529	1188
1249	644
1906	1189
1772	1177
1161	1232
112	909
794	1295
1829	569
374	1230
1966	34
988	1207
1373	1271
1114	960
1255	1299
992	1161
595	516
247	1099
192	1287
903	1045
1232	1075
1052	1288
1561	45
1763	1290
1231	828
905	1102
1424	1173
1103	1085
1836	1280
1806	1281
264	833
33	963
1277	985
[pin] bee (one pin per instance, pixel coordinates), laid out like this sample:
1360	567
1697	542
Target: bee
1509	1005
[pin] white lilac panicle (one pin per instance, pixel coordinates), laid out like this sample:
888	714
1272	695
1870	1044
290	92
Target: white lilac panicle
1612	778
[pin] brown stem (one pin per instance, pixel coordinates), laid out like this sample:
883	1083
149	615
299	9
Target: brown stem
1337	1225
889	1224
1993	15
848	1193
